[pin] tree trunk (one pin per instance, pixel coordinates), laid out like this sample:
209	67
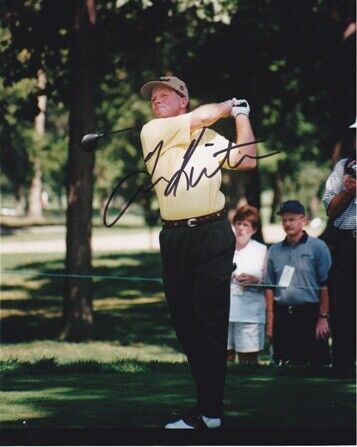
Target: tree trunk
35	202
253	190
313	207
77	306
19	200
103	197
233	183
277	186
59	198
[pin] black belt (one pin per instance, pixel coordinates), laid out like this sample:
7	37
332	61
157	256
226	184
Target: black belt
285	308
194	221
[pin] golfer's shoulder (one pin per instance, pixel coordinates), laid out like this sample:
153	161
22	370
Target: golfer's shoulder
150	127
162	126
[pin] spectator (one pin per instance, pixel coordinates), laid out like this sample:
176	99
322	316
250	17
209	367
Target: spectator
297	310
246	334
340	201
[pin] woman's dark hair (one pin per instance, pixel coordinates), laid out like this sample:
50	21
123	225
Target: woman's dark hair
247	212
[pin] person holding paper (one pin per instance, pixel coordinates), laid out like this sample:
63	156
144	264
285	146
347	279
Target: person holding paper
298	303
246	334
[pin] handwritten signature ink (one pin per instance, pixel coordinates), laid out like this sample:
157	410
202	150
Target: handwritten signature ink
173	182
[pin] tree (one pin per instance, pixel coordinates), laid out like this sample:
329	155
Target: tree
15	134
35	192
77	310
280	55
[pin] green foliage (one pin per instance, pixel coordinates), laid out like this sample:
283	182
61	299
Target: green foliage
16	131
285	57
305	183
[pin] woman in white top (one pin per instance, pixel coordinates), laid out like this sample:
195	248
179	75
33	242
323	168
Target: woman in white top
246	333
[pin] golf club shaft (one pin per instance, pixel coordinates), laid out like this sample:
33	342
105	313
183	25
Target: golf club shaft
116	131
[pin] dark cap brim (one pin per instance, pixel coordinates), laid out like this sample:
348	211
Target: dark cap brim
280	212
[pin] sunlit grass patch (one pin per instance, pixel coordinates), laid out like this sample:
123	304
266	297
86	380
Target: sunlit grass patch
122	303
120	364
101	352
12	411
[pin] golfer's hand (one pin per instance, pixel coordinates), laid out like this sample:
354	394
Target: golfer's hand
240	107
322	329
228	107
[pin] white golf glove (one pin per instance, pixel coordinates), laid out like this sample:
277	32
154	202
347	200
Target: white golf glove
240	106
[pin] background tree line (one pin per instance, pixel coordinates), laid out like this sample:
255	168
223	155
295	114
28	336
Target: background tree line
71	67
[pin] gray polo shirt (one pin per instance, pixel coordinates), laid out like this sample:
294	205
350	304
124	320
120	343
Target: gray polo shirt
311	260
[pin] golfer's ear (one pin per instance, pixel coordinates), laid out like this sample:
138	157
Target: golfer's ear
184	102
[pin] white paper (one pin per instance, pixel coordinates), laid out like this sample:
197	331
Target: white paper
286	276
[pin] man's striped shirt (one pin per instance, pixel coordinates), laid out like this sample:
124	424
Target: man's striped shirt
334	186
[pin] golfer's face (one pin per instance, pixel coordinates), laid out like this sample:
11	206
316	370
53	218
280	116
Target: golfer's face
293	224
165	102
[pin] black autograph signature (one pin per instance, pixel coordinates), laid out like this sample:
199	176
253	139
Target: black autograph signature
172	183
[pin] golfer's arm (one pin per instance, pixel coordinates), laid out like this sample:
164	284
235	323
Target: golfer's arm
244	135
206	115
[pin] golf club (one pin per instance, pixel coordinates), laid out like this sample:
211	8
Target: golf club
90	140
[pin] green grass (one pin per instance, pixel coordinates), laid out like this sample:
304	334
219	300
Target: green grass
133	362
25	235
132	218
81	394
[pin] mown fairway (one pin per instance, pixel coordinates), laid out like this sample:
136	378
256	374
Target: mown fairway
133	362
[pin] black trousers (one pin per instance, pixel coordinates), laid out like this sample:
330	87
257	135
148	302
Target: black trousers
294	335
197	266
342	288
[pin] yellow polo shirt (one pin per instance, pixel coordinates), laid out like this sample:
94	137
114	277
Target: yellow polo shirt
176	137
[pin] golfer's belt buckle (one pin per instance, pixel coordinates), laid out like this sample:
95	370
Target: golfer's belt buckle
191	222
290	310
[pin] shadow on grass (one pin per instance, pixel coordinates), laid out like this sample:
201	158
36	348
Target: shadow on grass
126	311
130	394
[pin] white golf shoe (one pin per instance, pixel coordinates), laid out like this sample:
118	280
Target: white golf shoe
195	421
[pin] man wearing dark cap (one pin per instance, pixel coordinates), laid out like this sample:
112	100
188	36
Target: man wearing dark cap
298	304
196	242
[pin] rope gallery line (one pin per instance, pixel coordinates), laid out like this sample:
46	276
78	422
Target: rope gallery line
78	276
126	278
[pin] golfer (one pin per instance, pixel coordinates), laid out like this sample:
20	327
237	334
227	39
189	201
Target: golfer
196	241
